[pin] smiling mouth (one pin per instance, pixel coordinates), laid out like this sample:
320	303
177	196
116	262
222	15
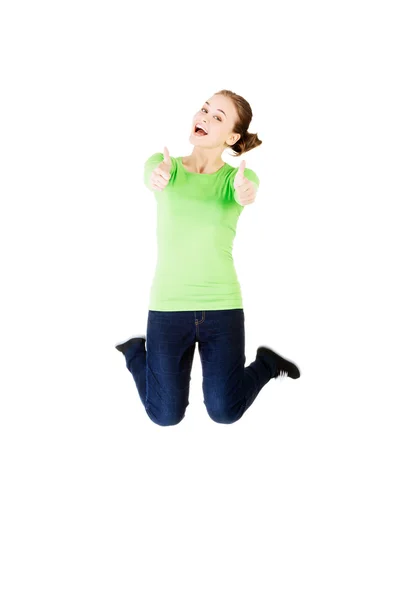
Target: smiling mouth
199	131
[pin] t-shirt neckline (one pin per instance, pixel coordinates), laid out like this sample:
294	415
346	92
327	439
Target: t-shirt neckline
179	158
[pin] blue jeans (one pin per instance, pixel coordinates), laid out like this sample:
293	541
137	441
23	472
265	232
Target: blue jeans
162	372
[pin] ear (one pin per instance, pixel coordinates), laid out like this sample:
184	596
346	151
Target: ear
232	141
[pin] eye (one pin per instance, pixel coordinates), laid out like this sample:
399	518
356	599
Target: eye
219	118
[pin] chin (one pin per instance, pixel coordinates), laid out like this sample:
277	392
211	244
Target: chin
194	140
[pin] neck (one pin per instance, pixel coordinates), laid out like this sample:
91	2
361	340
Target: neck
204	161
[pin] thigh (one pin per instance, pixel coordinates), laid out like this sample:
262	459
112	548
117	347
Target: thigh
170	348
221	347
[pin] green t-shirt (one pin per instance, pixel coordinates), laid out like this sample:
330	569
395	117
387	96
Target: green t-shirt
197	216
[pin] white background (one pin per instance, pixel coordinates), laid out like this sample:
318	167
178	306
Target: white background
297	499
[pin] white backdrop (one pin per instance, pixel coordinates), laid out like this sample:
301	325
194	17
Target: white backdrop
300	497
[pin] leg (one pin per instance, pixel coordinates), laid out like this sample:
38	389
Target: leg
162	373
229	387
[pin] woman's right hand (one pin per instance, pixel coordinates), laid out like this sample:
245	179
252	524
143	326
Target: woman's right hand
160	176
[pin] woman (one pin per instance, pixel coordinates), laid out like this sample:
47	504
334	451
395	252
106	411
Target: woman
195	294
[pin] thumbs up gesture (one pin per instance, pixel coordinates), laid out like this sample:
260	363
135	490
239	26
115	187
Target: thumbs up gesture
160	176
244	188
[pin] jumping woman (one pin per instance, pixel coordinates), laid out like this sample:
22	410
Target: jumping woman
195	294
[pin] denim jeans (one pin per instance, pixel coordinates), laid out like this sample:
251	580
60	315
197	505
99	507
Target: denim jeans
162	372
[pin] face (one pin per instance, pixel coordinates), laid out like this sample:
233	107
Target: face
217	115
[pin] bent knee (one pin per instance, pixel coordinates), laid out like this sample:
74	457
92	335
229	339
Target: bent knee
223	416
165	418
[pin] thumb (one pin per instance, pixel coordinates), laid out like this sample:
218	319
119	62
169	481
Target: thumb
167	158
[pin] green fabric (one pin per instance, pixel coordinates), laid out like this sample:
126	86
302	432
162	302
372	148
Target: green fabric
197	216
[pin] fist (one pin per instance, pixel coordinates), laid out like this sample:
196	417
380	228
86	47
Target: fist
160	176
243	187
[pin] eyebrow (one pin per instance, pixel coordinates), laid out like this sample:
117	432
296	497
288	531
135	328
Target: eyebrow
217	108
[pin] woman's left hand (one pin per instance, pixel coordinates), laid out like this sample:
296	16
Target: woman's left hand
245	190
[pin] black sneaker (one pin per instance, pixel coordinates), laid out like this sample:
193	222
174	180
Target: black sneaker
124	345
284	367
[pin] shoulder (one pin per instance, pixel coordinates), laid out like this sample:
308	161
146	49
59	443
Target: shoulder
252	175
157	157
248	173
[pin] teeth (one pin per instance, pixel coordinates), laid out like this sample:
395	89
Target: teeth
200	127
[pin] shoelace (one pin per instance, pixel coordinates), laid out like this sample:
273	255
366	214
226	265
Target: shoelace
281	375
